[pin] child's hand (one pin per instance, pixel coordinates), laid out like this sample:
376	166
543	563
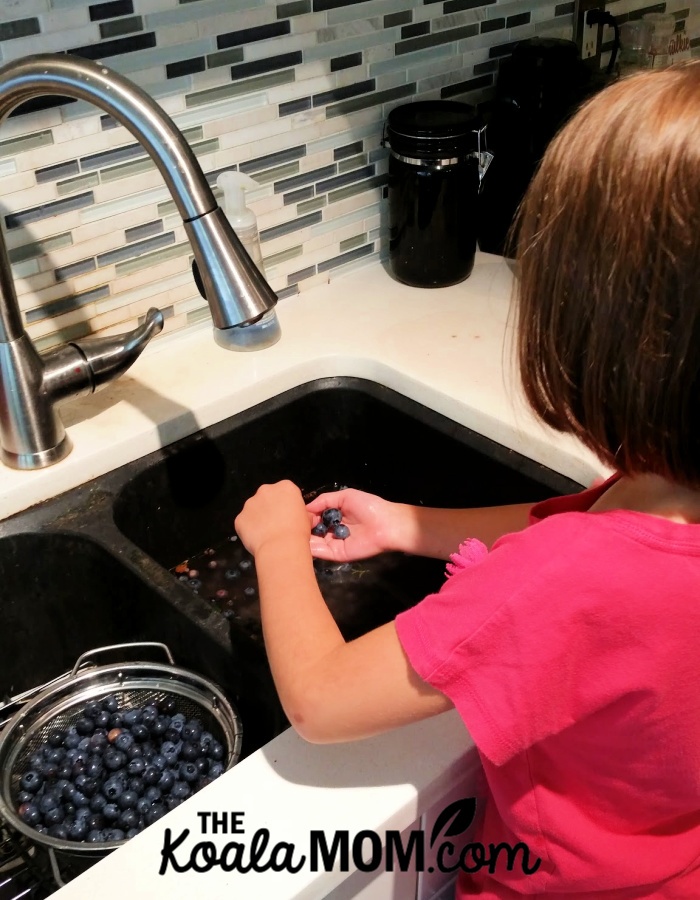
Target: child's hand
375	525
275	512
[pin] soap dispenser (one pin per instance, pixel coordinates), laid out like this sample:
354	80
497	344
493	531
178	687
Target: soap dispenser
266	330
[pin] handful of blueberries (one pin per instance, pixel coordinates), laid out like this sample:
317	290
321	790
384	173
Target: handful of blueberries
116	771
331	520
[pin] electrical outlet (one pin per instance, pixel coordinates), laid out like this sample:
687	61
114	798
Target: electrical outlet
588	37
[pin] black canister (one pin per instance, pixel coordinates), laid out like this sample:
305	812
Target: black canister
434	176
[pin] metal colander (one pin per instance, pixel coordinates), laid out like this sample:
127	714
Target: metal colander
134	684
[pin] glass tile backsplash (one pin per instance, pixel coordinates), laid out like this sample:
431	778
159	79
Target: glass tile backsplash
295	94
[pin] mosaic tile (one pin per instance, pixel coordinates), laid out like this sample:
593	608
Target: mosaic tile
265	85
81	183
121	26
47	210
9	31
26	142
40	248
111	9
139	232
152	259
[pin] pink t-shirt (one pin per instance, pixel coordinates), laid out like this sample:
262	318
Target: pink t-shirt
572	652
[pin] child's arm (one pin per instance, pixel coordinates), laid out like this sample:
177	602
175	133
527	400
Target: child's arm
377	525
330	690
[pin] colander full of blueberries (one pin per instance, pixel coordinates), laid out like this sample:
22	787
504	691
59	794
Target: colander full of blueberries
109	749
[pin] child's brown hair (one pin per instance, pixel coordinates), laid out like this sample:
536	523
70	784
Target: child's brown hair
609	296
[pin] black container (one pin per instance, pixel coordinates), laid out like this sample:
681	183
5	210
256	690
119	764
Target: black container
433	191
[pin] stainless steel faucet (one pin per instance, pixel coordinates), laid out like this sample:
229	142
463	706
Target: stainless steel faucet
32	384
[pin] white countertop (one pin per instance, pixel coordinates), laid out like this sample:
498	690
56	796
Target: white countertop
444	348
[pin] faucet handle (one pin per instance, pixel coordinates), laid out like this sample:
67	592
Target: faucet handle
108	357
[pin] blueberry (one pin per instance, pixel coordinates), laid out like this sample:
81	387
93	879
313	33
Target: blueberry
103	719
160	726
143	804
114	759
167	780
180	790
58	830
205	740
216	751
94	767
46	802
95	836
84	726
135	752
331	517
232	574
172	802
54	816
215	769
190	750
128	818
77	830
202	765
136	766
157	811
189	772
110	812
320	530
79	800
132	717
65	771
25	797
91	787
341	532
94	821
98	803
124	740
112	788
110	703
92	709
116	720
158	761
153	794
140	732
113	834
151	775
137	785
31	781
127	799
29	814
56	737
49	770
132	832
72	738
171	751
56	755
192	730
98	741
178	722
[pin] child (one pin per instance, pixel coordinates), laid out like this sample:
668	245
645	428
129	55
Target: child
571	646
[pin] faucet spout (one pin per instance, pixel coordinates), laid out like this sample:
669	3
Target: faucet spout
31	385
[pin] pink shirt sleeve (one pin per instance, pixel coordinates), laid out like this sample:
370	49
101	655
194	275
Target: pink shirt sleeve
513	644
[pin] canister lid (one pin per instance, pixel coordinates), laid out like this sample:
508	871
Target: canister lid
432	128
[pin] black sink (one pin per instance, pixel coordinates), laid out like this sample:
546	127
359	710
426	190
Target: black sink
329	433
91	567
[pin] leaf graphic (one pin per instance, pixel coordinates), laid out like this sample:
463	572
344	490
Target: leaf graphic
458	816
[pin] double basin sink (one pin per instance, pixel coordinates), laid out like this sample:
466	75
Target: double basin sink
95	566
